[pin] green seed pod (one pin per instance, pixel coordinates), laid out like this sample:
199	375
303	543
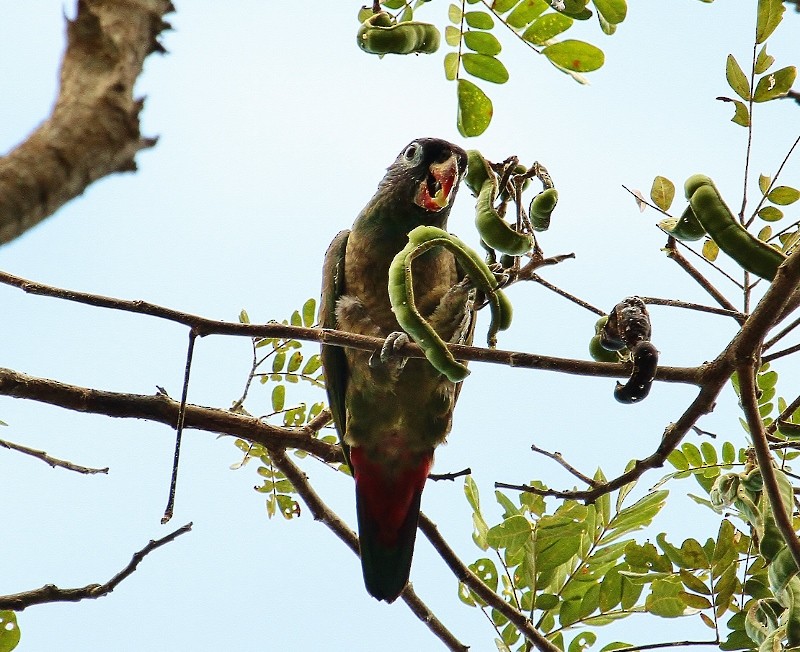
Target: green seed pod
645	362
379	35
541	208
401	295
687	228
599	353
506	261
694	182
749	252
478	171
493	229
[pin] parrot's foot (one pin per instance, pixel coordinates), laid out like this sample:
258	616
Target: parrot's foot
388	353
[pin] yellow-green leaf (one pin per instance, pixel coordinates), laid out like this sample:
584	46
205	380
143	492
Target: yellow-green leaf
474	109
736	78
575	55
763	183
784	195
770	14
479	20
770	214
485	67
741	115
451	65
710	250
613	11
546	27
482	42
9	631
763	60
775	84
662	192
452	36
278	397
525	12
454	14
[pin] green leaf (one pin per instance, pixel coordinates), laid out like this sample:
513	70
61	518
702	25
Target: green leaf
502	6
763	183
485	67
775	84
454	14
611	589
451	65
244	318
665	598
690	555
728	453
662	192
741	115
693	455
486	571
770	214
613	11
570	612
296	319
525	12
765	233
763	60
678	460
693	583
709	453
313	364
474	109
452	36
278	361
770	14
479	19
471	492
482	42
784	195
736	78
582	641
512	533
309	312
295	360
278	397
694	601
546	27
9	631
575	55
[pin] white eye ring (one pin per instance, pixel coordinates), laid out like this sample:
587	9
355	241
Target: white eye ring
412	153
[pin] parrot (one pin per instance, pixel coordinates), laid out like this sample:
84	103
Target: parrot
390	413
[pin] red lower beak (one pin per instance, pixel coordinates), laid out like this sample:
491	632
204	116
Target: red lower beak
437	190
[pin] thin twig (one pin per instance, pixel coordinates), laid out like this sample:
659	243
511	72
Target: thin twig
179	429
50	460
781	334
566	295
691	270
676	303
655	646
321	512
783	519
560	459
51	593
780	354
436	477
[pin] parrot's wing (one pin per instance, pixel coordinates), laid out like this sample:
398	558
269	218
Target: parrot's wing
334	362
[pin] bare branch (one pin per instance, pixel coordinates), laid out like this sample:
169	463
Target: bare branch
691	270
538	279
560	459
203	326
465	575
51	593
675	303
94	128
783	519
436	477
321	512
51	461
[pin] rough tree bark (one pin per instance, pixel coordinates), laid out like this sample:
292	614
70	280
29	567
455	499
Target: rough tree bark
93	130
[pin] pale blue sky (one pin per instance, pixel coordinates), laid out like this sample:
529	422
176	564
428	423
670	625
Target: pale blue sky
274	131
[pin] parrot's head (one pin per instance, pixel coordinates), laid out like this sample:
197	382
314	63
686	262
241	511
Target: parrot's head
427	172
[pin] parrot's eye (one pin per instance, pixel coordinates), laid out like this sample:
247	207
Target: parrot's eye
412	153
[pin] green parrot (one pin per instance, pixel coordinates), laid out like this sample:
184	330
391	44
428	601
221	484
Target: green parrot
391	413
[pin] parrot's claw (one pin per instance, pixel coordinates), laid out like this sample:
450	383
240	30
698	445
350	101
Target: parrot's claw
393	342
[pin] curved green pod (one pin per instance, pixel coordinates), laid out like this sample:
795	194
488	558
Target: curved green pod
401	295
686	228
380	35
493	229
541	208
478	171
750	253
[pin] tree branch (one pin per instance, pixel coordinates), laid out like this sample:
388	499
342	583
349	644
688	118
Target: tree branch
48	459
51	593
204	326
465	575
321	512
93	130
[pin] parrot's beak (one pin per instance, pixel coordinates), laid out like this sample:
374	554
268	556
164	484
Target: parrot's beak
439	186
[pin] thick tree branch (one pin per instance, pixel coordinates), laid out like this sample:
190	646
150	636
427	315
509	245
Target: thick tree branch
93	130
321	512
163	409
204	326
51	593
49	459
